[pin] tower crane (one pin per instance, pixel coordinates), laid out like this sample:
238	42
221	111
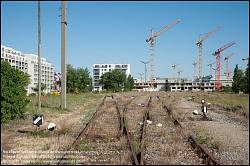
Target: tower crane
145	63
227	66
199	44
151	40
217	54
174	66
210	65
195	63
179	72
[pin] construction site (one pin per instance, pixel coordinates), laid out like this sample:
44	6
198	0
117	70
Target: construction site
170	120
199	83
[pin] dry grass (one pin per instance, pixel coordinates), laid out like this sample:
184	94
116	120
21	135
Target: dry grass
203	138
67	124
238	103
64	127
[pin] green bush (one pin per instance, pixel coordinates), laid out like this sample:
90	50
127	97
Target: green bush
13	92
116	81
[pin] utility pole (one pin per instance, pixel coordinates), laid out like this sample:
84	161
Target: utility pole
211	65
63	56
145	63
174	66
195	63
140	74
39	59
179	73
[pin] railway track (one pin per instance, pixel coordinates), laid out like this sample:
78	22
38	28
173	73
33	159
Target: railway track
137	155
119	133
201	151
105	132
205	156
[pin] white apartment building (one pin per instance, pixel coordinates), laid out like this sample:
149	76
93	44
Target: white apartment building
100	69
28	63
47	70
15	58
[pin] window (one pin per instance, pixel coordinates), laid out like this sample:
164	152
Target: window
109	65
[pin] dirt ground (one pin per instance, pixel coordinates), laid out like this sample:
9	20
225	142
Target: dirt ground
225	134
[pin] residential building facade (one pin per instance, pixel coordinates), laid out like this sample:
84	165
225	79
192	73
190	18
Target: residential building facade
100	69
28	63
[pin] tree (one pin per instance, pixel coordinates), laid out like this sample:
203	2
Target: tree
71	78
13	92
116	81
238	80
246	80
78	80
129	85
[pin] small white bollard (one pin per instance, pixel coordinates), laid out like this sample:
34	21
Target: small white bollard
51	126
195	112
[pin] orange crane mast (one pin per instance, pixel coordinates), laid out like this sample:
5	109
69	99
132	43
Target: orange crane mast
151	40
218	54
227	66
199	44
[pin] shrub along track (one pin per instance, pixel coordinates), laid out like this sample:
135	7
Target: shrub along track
172	143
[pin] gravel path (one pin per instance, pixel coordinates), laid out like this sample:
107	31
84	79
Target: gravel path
229	132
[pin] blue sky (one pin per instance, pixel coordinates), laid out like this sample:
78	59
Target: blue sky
115	32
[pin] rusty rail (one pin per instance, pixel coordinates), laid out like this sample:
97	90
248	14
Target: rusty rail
123	130
138	159
198	148
84	130
143	132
